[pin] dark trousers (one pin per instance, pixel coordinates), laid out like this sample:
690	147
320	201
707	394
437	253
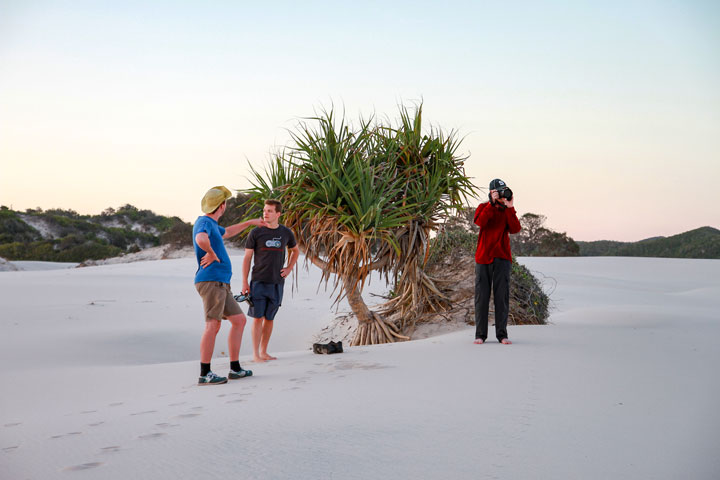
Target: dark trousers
494	275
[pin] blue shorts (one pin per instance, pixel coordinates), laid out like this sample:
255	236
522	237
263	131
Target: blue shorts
266	299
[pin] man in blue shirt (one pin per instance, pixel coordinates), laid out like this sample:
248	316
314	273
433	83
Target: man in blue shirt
212	281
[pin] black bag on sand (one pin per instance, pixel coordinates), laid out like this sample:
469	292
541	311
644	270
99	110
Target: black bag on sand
328	348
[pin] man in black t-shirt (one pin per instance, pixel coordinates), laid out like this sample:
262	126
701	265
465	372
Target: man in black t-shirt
267	245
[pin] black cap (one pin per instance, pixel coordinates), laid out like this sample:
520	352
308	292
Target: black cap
498	184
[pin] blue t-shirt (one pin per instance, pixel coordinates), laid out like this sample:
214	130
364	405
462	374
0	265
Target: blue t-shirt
217	271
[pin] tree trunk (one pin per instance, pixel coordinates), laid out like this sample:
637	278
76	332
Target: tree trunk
372	328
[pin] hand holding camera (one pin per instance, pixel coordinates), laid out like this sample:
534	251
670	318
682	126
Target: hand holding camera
503	196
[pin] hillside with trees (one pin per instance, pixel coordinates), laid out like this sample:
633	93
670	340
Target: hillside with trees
66	236
702	242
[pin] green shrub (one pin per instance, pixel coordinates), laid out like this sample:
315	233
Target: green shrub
456	244
13	229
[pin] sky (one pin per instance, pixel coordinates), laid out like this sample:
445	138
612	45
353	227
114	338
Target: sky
602	116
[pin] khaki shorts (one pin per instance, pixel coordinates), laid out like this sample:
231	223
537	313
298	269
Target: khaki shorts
218	300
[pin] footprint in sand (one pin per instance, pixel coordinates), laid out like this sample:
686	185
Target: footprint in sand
65	435
346	365
167	425
148	436
111	449
188	415
83	466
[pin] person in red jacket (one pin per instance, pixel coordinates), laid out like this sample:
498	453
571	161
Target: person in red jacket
493	259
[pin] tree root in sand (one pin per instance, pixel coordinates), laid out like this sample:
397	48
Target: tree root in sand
377	331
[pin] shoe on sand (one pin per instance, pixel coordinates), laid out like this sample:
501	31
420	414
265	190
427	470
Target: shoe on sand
212	379
328	348
320	348
242	373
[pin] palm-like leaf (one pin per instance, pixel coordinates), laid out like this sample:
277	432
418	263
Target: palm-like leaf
366	199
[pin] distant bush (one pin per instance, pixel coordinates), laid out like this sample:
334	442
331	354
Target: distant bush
451	240
536	240
527	293
456	243
87	251
179	235
69	249
13	229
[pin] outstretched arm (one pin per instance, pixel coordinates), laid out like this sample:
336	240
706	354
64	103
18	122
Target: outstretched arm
233	230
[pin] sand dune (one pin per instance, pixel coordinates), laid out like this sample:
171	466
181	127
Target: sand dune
103	363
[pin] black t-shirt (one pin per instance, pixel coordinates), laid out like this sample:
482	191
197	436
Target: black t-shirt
269	245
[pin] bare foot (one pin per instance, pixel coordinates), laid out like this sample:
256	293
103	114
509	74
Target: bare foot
265	356
478	341
505	341
259	359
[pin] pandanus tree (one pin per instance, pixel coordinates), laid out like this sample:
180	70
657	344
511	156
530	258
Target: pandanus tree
364	199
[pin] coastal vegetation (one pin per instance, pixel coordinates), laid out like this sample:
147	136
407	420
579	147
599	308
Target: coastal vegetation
452	263
66	236
701	242
364	198
537	240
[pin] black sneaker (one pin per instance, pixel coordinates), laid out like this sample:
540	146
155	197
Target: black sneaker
328	348
212	379
233	375
320	348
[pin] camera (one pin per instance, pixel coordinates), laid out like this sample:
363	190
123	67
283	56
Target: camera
244	298
505	193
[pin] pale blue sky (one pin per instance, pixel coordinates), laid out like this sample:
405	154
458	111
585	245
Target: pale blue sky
603	116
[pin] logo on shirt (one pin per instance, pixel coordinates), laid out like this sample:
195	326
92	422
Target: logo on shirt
274	243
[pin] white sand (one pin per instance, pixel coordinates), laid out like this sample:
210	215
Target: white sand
33	265
102	363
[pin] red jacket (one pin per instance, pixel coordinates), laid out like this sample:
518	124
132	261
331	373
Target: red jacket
495	224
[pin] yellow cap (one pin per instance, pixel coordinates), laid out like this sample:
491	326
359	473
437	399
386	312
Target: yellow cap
214	197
